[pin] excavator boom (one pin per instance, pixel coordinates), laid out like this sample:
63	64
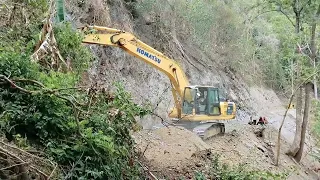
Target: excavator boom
132	45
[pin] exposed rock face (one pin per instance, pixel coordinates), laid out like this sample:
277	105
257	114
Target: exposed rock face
146	84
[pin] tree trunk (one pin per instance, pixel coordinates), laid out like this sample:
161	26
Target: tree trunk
295	146
297	27
313	48
315	83
297	137
308	89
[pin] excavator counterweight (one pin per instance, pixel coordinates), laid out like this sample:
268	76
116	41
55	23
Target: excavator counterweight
198	108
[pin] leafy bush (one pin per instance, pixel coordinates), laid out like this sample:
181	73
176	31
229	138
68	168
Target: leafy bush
103	149
24	25
69	42
98	145
222	171
86	133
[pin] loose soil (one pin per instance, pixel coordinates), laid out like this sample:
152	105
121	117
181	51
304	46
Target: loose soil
175	152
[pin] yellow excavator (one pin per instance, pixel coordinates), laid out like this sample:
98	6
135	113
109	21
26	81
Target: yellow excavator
197	108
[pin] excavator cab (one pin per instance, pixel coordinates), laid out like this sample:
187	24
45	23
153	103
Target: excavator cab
202	108
203	100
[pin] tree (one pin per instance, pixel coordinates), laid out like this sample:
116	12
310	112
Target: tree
308	89
300	11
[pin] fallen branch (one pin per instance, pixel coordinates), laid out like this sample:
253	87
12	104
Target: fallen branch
145	149
52	172
72	103
29	80
74	99
71	88
147	170
46	90
24	163
163	122
12	155
29	154
14	85
40	172
48	43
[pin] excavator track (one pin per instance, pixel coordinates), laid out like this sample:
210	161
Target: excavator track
209	130
204	130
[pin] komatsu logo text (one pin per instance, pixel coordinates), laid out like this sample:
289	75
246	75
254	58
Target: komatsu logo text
148	55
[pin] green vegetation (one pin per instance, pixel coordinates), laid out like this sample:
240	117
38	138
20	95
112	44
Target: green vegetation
222	171
251	38
86	133
315	124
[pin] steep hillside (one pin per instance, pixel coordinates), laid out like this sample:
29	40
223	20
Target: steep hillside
62	116
202	66
144	82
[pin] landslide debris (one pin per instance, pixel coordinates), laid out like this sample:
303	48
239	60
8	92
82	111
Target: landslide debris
174	152
169	146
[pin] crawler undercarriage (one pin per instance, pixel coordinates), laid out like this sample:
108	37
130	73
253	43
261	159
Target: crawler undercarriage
205	130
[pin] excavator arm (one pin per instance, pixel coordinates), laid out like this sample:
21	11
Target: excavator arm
132	45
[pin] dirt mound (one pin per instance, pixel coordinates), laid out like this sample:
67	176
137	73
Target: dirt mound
176	152
173	151
168	147
255	147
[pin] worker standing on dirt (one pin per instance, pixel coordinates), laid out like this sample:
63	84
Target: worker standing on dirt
262	121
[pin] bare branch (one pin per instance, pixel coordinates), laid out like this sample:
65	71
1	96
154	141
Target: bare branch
23	163
16	86
280	10
48	42
287	17
71	88
29	80
29	154
147	170
71	102
52	172
54	92
303	6
145	149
